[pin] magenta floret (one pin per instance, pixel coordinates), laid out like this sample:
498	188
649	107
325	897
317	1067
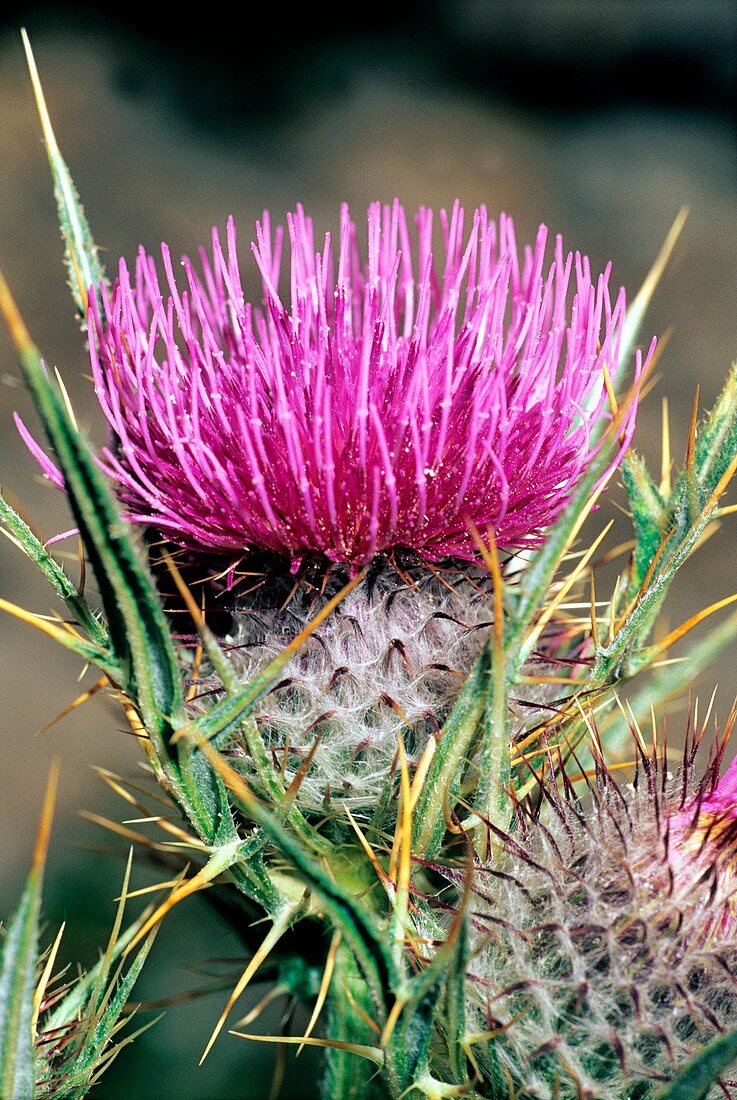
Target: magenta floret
386	404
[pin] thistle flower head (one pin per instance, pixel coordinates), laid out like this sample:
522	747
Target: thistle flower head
385	402
391	400
605	942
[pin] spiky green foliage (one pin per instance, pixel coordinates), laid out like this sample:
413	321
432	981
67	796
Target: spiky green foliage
80	252
57	1038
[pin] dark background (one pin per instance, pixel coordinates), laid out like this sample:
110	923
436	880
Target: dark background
601	119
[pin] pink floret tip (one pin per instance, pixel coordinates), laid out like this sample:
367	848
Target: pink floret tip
370	405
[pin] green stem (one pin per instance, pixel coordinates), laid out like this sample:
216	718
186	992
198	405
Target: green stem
450	759
346	1076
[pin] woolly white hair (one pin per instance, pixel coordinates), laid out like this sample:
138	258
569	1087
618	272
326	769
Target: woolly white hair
604	943
389	661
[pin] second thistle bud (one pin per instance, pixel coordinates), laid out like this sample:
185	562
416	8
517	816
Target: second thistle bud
605	938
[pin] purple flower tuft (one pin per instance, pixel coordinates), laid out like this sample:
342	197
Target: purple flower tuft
702	837
386	405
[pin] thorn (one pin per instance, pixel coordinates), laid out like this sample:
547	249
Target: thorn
571	580
43	835
281	924
322	993
43	111
16	326
680	631
272	994
421	771
40	990
381	874
594	619
373	1054
78	702
611	396
665	488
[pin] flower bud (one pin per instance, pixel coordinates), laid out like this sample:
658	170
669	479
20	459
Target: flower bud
604	936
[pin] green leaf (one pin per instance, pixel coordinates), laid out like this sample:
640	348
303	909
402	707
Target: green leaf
716	442
73	1005
626	655
89	1015
17	982
694	1082
676	525
444	975
94	1054
80	251
450	759
18	962
650	516
345	1075
139	635
456	992
23	537
360	931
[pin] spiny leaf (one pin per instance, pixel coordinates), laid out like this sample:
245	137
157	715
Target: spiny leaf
18	970
408	1036
450	759
80	251
79	1074
349	1021
663	526
716	442
89	1015
62	634
24	538
139	635
454	1015
72	1005
17	979
694	1082
355	922
622	656
649	516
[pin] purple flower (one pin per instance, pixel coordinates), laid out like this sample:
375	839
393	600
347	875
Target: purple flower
386	404
702	838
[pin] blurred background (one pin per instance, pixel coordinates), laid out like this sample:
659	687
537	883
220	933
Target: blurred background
600	119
